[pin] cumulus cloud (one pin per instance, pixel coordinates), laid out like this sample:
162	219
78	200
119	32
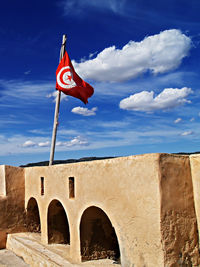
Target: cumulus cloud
157	53
29	143
145	101
178	120
187	133
39	144
84	111
44	144
78	140
192	119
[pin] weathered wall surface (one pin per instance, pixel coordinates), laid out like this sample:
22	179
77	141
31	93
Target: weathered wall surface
12	198
195	171
151	200
178	218
126	189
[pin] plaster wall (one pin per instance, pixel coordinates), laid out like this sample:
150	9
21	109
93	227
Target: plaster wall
178	217
127	189
152	201
195	171
12	199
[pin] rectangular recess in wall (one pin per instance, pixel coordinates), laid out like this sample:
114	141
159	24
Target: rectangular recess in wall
71	187
42	185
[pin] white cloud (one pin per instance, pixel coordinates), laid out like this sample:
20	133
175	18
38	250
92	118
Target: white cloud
24	92
192	119
187	133
44	144
92	54
145	101
178	120
84	111
99	138
54	96
76	141
29	143
157	53
18	144
24	89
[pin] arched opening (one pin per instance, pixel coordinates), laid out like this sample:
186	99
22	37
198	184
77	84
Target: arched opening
33	217
98	237
58	227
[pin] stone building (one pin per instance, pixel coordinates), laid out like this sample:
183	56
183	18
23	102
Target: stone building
136	211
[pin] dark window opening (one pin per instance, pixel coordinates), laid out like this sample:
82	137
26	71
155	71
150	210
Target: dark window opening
98	237
71	187
42	186
58	227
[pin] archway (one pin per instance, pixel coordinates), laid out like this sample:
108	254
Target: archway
98	237
58	226
33	217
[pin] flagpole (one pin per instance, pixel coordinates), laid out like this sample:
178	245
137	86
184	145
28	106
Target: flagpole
55	125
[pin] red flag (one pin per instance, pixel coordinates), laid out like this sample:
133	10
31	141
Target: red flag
68	81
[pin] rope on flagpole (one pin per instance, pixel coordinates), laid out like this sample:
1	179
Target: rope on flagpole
56	115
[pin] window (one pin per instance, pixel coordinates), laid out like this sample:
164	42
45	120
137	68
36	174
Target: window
71	187
42	186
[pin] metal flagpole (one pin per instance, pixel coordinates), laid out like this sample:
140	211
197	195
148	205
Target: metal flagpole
55	125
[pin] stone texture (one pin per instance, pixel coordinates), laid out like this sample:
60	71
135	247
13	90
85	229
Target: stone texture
178	218
126	189
195	171
12	209
152	203
36	254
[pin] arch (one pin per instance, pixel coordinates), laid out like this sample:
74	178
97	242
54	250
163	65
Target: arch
33	216
97	236
58	226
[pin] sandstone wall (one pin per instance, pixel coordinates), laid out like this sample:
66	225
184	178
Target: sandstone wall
126	189
151	200
178	217
12	199
195	171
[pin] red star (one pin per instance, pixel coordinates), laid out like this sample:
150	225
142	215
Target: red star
69	77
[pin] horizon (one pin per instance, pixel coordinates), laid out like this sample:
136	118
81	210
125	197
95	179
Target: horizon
141	58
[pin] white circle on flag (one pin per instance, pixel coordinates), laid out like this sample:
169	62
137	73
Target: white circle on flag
67	77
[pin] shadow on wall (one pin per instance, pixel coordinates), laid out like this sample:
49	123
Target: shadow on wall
33	217
98	237
58	226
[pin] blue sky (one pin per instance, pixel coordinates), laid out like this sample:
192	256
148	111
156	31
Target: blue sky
142	58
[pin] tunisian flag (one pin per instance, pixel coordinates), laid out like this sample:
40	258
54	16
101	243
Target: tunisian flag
68	81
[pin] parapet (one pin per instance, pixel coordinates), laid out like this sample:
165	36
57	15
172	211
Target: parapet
147	205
